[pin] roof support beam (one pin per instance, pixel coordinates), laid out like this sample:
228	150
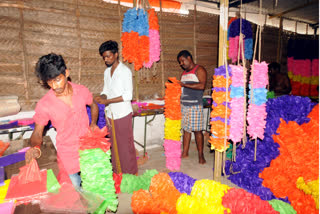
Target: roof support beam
295	8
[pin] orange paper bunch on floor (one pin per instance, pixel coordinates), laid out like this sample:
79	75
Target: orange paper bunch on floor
162	198
299	157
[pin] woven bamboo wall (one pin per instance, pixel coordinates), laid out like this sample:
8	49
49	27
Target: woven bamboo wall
76	28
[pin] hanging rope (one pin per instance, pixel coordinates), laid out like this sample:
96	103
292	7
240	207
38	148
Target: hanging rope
258	36
225	24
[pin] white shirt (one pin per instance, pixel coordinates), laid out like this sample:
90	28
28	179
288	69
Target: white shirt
120	84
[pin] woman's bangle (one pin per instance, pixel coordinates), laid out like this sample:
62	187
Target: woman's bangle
38	148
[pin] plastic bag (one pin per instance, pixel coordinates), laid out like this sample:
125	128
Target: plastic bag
29	173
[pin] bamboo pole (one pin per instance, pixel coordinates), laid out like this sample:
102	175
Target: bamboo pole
79	39
120	27
279	40
161	54
25	56
224	4
194	32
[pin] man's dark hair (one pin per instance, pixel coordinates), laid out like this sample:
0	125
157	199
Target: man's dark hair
274	66
108	46
185	54
49	67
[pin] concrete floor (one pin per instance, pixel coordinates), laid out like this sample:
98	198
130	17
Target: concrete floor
189	166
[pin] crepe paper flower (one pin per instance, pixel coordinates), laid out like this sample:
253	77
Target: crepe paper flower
218	129
240	201
220	119
142	23
218	144
220	89
153	20
256	121
214	104
172	106
237	92
172	129
290	108
135	37
131	183
173	154
237	76
284	171
221	71
154	39
233	38
164	192
206	197
259	74
130	45
259	96
220	97
282	207
96	176
220	111
236	120
142	202
95	139
129	20
154	48
310	188
182	182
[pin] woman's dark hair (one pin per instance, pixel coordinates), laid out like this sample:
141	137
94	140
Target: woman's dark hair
108	46
50	66
185	54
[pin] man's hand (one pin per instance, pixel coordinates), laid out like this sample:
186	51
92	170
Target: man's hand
32	153
93	126
101	100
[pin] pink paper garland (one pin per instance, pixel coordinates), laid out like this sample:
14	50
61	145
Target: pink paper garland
260	75
154	48
236	120
256	121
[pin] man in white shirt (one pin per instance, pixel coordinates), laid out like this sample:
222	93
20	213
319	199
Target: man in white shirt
117	96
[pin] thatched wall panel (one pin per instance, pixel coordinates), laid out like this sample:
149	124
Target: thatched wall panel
98	12
102	35
9	12
49	40
11	57
57	5
53	30
7	32
14	69
106	24
40	49
10	44
90	53
94	63
51	18
12	88
92	44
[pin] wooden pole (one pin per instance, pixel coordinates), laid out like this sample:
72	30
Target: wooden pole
25	56
161	54
79	40
194	32
279	40
224	4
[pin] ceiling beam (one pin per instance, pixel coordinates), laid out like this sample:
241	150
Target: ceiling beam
236	3
293	9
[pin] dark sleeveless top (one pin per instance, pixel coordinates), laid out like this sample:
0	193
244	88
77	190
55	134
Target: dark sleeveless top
189	96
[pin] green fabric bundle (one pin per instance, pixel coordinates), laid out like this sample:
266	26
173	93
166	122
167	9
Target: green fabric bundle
96	175
131	183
